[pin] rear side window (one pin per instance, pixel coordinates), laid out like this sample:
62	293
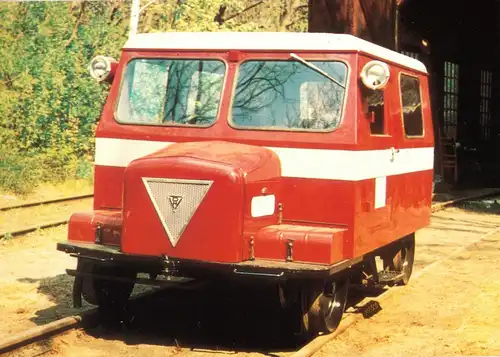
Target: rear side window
375	108
411	106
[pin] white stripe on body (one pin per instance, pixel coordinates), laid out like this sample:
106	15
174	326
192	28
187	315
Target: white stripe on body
347	165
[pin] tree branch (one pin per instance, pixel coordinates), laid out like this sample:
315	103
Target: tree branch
232	16
219	18
78	21
289	7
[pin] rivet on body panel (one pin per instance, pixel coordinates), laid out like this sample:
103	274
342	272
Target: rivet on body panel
280	213
252	252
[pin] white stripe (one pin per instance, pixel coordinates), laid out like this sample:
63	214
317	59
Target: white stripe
268	41
303	163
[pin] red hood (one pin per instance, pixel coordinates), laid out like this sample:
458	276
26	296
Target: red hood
255	162
211	182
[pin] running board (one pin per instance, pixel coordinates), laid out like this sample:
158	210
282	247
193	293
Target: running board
387	277
142	281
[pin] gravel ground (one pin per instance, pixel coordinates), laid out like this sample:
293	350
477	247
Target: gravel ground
19	218
450	309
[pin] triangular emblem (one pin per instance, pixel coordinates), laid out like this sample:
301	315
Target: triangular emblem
175	202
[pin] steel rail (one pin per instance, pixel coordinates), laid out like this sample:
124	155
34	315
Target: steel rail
42	332
33	228
439	206
88	318
39	203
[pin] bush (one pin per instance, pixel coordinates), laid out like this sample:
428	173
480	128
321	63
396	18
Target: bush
21	173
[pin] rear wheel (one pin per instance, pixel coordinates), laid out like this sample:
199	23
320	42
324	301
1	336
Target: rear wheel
326	310
401	260
316	309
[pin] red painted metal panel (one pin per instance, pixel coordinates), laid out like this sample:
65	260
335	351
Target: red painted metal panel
82	227
222	227
108	187
320	245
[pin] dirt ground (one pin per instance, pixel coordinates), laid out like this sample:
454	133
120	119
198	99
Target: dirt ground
19	218
450	308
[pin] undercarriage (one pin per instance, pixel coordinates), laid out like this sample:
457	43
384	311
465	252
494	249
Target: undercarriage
313	297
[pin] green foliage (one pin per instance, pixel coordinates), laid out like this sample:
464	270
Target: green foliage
19	172
7	236
49	105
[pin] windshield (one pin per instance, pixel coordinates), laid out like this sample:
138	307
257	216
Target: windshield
171	92
289	95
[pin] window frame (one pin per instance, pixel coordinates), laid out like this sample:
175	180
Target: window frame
411	75
451	97
160	58
234	84
485	102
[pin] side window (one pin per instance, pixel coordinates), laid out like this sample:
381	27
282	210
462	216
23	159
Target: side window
374	110
411	106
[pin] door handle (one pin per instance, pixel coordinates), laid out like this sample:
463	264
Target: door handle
393	153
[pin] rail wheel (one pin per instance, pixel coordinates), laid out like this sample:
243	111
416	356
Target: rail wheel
401	260
326	309
319	309
106	292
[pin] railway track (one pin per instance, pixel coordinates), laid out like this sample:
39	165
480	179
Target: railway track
46	202
91	317
45	225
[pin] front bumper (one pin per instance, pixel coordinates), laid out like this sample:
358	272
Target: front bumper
258	268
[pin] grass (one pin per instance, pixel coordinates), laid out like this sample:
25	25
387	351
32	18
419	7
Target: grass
24	174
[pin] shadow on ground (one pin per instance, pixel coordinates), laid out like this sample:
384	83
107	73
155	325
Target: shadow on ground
220	318
487	205
58	289
243	319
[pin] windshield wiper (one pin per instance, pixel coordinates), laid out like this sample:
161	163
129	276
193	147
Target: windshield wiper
312	66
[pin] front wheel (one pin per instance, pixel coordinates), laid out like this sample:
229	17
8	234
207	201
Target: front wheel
103	292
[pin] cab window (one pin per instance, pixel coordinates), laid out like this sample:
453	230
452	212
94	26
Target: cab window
289	95
411	106
171	92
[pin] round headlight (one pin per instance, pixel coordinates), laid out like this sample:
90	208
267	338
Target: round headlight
375	75
100	67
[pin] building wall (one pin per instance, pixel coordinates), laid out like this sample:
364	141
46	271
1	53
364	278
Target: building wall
462	58
372	20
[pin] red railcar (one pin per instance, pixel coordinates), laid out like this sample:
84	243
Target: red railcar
293	159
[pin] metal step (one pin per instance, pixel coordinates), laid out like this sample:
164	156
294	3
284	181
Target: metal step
389	276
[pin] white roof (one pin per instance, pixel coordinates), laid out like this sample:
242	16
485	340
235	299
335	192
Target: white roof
265	41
